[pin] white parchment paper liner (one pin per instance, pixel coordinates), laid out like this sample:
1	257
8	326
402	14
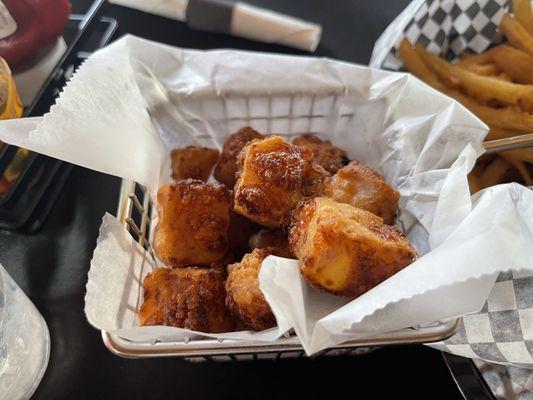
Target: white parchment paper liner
130	103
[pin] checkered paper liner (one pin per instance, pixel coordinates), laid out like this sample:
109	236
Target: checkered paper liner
445	27
502	331
507	382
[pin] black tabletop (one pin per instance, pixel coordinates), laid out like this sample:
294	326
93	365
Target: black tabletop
51	265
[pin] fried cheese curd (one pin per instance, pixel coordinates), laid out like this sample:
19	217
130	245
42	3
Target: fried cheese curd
326	155
244	297
273	176
226	167
273	238
362	187
190	298
193	223
345	250
193	162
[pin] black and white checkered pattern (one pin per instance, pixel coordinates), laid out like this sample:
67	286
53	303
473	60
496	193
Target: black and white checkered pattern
502	332
451	28
507	382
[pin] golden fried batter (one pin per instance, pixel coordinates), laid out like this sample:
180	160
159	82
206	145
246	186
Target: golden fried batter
191	298
193	223
329	157
273	176
193	162
227	165
244	297
273	238
362	187
343	249
314	181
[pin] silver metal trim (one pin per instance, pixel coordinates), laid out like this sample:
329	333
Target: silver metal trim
212	347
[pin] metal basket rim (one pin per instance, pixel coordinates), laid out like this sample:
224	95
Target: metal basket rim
213	347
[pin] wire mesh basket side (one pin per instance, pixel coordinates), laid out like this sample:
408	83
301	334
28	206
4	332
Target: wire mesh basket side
208	121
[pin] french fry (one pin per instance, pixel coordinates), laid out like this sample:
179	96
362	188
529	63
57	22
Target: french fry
482	87
474	179
526	102
516	162
507	118
516	63
451	83
524	14
474	59
501	133
516	34
483	69
525	155
416	66
504	77
495	172
477	59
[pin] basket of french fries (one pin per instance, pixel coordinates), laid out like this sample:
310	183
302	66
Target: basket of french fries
276	203
485	62
481	55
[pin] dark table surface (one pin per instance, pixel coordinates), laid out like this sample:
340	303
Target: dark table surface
51	265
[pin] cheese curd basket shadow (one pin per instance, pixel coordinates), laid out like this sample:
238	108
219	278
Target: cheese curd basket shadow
137	213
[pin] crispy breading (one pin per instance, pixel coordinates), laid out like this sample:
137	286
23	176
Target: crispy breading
273	238
193	223
193	162
362	187
244	297
191	298
314	180
329	157
273	176
226	167
343	249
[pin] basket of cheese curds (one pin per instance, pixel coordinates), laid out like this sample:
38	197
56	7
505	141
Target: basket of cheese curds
278	204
